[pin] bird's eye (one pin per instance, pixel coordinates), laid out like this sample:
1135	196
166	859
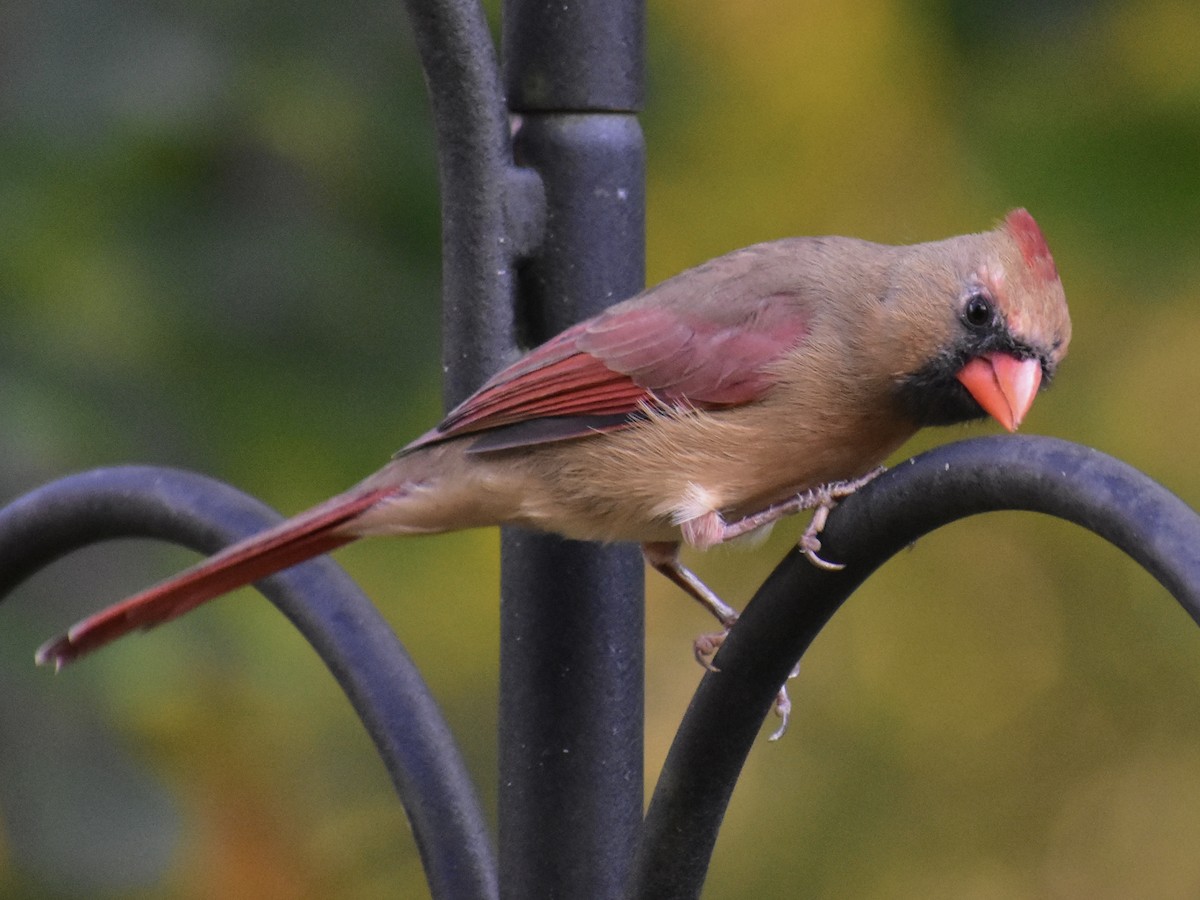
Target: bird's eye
978	311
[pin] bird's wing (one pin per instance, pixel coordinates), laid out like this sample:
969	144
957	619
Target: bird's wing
601	374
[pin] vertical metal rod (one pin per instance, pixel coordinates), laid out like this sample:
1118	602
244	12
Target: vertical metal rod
480	188
572	633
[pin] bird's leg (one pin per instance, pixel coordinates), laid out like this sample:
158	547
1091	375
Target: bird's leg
822	499
710	528
663	556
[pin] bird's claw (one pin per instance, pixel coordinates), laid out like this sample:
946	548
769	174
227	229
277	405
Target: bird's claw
706	646
824	499
783	709
782	706
810	546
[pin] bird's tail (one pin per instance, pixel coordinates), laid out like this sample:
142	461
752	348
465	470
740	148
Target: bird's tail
302	537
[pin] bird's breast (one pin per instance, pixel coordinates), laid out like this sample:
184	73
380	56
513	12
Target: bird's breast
641	482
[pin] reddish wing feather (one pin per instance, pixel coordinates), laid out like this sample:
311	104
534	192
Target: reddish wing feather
700	362
629	356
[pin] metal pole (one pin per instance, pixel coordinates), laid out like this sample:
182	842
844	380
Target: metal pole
491	210
572	660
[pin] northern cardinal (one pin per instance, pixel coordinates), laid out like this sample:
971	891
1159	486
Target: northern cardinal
756	384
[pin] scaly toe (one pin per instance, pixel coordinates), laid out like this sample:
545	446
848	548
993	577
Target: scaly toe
783	709
706	647
810	544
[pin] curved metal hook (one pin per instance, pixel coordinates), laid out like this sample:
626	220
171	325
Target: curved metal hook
492	211
319	598
1036	474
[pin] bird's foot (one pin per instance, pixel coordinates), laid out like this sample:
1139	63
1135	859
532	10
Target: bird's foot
706	646
704	531
782	707
809	543
664	557
822	500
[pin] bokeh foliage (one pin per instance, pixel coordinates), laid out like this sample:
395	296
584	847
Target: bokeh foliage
219	249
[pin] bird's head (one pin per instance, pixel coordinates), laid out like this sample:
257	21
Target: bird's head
997	329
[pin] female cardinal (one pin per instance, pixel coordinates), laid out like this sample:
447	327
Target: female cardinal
756	384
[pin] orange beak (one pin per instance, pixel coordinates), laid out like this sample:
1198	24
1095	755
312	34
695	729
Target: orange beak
1003	385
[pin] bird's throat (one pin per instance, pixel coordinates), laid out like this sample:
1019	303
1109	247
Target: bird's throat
934	396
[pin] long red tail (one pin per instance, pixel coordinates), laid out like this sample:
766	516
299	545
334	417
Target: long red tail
287	544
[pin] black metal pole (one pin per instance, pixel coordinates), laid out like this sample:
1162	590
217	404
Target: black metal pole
572	634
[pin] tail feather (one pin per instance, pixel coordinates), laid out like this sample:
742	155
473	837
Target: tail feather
287	544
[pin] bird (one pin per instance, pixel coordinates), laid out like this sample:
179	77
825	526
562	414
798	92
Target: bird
769	380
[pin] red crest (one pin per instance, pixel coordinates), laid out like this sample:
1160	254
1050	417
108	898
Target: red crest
1032	244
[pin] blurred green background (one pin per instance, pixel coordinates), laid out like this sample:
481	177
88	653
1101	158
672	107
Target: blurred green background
219	250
